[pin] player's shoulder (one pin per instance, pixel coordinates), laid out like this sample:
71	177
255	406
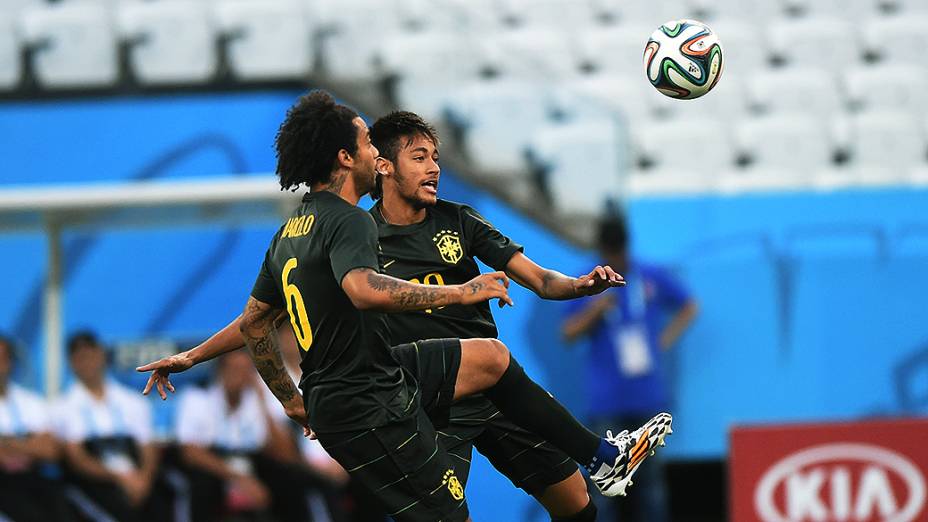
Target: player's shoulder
448	208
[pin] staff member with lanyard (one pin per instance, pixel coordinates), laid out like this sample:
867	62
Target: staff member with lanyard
107	431
628	331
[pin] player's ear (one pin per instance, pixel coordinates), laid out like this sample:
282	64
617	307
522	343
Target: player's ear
383	166
344	159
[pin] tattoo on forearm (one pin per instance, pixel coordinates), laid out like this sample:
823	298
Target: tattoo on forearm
260	333
407	295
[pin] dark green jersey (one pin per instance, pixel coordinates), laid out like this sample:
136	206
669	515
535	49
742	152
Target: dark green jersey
350	380
440	250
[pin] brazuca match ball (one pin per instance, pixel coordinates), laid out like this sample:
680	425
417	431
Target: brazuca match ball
683	59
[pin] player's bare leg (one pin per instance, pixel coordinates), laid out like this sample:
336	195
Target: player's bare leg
567	498
483	362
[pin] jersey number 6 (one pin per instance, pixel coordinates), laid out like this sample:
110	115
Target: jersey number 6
296	308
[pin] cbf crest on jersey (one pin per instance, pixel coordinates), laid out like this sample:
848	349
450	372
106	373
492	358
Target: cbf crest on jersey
449	246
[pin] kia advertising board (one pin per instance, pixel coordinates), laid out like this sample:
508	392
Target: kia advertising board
853	472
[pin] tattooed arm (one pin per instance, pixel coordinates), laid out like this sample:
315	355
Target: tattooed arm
369	290
550	284
260	332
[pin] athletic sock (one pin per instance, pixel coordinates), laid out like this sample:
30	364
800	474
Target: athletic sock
587	514
605	453
532	408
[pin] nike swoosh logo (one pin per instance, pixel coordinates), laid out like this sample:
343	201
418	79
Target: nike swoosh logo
385	265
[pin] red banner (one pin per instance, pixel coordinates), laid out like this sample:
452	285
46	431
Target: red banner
853	472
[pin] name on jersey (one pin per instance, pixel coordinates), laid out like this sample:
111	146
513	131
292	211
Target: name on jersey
298	226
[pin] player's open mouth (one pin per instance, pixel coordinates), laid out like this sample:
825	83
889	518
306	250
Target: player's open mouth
431	186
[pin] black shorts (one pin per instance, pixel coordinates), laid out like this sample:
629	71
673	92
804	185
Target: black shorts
403	464
526	459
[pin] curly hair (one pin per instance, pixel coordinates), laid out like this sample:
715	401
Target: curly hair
315	130
387	132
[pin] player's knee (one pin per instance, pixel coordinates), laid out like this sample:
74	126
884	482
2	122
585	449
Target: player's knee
498	357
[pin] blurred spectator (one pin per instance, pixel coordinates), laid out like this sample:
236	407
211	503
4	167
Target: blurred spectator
26	443
107	432
629	328
235	452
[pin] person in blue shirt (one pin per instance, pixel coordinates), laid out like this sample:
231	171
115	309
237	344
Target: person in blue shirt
628	332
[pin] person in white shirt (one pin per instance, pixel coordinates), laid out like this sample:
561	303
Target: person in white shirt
107	434
228	443
26	443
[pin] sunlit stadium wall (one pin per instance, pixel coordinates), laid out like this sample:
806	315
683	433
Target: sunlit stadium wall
813	304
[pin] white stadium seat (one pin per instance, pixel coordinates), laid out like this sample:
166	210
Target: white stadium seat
575	153
266	39
618	49
829	43
799	89
533	54
898	39
887	139
700	146
171	41
564	15
651	14
350	44
10	66
745	46
13	8
763	179
727	101
594	94
787	141
416	56
661	182
852	10
499	116
893	87
745	10
73	44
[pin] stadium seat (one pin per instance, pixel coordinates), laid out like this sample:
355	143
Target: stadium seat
10	66
350	44
898	39
893	87
71	45
564	15
744	45
651	14
415	57
694	146
532	54
799	89
574	152
587	96
170	41
711	10
828	43
787	141
266	39
660	182
727	101
618	49
498	116
887	139
852	10
14	8
762	178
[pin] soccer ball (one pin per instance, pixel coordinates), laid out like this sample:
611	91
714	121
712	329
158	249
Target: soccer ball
683	59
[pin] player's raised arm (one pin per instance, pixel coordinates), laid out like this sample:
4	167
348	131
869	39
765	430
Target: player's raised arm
259	328
369	290
550	284
224	341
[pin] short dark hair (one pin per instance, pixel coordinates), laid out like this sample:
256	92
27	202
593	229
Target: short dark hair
308	140
10	347
612	234
82	338
387	132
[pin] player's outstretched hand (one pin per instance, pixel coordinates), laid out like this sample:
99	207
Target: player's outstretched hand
598	280
492	285
161	371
